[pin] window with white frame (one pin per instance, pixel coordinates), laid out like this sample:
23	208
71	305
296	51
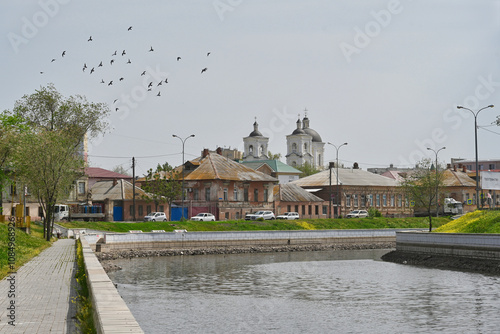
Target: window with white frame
81	188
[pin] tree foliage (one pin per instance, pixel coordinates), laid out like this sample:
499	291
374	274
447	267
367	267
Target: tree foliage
47	156
273	156
163	186
307	169
420	187
121	170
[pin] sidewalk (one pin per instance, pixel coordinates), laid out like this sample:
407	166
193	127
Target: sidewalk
43	290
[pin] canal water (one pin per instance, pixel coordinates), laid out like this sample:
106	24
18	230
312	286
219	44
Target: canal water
305	292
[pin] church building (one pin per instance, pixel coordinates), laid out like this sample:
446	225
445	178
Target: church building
255	145
304	145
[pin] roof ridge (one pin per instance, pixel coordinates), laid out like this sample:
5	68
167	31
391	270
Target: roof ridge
217	177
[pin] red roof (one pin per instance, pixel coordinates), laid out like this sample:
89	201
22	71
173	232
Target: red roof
96	172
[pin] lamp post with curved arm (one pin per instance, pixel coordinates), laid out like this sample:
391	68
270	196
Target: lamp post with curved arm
437	181
337	148
182	194
478	202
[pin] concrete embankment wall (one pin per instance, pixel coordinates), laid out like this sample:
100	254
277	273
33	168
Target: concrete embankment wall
154	241
479	246
111	314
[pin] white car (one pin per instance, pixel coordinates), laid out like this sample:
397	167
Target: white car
204	217
288	215
357	214
266	215
155	217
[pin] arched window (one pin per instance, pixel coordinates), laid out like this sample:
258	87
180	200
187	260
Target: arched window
294	163
261	150
294	147
305	147
320	162
250	149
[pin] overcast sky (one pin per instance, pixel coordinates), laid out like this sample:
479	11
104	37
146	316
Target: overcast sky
384	76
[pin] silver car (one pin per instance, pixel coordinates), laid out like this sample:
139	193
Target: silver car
288	215
155	217
204	217
266	215
357	214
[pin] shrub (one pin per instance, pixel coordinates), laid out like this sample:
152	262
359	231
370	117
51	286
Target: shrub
373	212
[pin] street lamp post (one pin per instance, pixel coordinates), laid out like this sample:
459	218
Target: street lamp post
182	194
475	140
437	182
337	172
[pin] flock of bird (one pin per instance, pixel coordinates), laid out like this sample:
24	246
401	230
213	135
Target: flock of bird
150	87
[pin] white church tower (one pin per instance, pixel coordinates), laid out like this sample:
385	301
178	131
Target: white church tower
304	145
255	145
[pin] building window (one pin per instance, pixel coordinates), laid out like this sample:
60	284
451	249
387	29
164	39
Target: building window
225	194
316	210
348	200
13	189
131	209
256	195
303	210
491	166
294	164
355	200
81	188
407	202
480	167
266	195
162	209
250	149
325	209
245	195
400	200
305	147
377	200
297	208
384	200
363	200
139	209
235	194
310	210
196	194
392	200
148	209
294	148
207	194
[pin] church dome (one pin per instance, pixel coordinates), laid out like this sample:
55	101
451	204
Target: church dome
298	132
315	136
255	132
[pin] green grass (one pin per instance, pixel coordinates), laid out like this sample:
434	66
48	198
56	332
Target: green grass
474	222
27	246
242	225
84	313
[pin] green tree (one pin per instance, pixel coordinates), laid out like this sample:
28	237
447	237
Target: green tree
307	169
163	186
420	186
272	156
49	157
121	170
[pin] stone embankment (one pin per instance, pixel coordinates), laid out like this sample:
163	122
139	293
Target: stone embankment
108	265
484	266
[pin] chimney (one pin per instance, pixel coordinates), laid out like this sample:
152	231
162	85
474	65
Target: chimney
114	182
455	168
219	151
205	152
464	169
448	166
355	166
460	166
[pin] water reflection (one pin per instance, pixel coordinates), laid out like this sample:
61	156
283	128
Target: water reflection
342	292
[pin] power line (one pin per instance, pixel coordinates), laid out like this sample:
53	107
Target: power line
143	157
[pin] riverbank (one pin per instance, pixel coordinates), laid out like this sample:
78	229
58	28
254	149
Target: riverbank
107	258
444	262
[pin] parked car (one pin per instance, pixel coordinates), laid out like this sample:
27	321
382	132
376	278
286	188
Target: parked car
155	217
204	217
260	214
288	215
357	214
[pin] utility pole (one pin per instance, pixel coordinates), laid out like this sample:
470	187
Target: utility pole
133	186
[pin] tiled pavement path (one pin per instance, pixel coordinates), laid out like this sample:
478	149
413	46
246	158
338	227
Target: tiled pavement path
43	290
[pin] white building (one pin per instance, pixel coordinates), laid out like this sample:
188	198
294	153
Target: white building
255	145
304	145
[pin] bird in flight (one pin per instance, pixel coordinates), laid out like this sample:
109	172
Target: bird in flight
83	69
110	83
166	80
92	70
204	70
41	72
116	109
129	62
100	64
149	89
84	65
150	84
114	54
63	54
158	94
143	73
129	28
102	81
151	50
112	61
178	58
115	101
208	54
121	79
53	60
123	53
90	39
159	83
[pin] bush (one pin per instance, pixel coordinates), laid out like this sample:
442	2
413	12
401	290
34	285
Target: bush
372	213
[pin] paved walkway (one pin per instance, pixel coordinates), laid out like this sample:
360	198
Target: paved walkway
43	289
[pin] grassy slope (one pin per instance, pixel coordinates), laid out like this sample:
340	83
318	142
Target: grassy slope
27	246
474	222
241	225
